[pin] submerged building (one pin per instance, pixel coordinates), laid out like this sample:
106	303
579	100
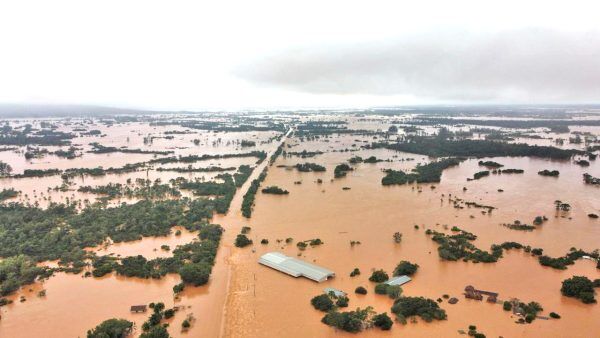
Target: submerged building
295	267
398	280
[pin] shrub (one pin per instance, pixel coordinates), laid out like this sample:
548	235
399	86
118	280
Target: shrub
393	291
169	313
381	289
360	290
178	288
507	306
342	301
529	318
382	321
242	241
554	315
351	321
379	276
405	268
322	303
355	272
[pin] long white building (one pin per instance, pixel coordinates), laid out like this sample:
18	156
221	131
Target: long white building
295	267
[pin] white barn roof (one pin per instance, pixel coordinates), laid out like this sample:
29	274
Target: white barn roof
399	280
295	267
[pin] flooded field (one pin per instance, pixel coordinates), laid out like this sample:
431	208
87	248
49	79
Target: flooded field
245	299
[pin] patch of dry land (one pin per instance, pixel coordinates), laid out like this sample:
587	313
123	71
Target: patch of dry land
100	214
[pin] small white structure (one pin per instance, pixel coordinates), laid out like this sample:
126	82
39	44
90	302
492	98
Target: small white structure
295	267
399	280
336	292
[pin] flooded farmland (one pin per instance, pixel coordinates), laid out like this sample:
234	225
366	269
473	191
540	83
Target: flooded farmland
354	215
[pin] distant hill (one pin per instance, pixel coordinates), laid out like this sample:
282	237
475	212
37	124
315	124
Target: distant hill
42	110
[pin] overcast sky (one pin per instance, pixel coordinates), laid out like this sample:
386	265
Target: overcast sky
280	54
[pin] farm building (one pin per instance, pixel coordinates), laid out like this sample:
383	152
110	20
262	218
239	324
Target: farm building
295	267
398	280
336	292
138	308
472	293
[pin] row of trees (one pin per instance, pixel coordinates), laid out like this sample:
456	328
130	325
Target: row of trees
442	147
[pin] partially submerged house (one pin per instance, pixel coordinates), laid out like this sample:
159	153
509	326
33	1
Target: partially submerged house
138	308
295	267
472	293
335	292
398	280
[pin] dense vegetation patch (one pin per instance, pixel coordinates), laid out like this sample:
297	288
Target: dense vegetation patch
18	271
97	148
546	172
8	193
111	328
406	268
459	246
428	173
275	190
341	170
59	231
427	309
379	276
192	261
441	147
350	321
308	167
491	164
579	287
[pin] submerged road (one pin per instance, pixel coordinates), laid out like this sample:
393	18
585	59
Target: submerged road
211	319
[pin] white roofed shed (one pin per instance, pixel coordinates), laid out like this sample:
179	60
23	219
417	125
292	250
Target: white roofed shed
295	267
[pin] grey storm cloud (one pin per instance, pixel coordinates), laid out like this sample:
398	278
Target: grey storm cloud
530	64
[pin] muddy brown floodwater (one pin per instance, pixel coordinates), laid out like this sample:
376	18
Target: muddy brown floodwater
74	304
245	299
265	303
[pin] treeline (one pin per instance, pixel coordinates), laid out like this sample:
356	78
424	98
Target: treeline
131	167
517	124
441	147
275	190
42	137
485	173
143	189
261	155
97	148
276	154
190	169
546	172
308	167
233	127
250	195
303	153
358	159
459	246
